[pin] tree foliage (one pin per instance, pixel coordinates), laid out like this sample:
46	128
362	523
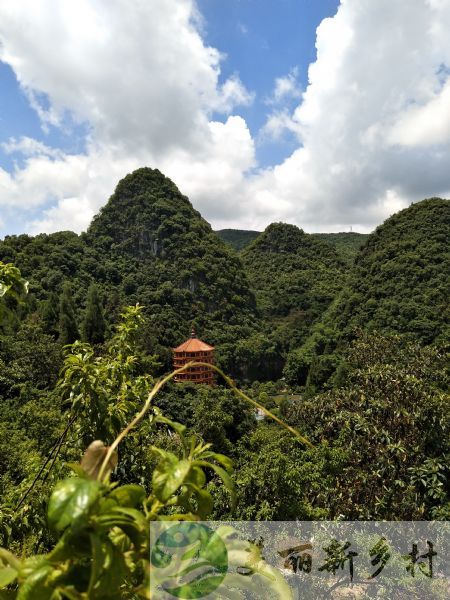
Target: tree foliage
399	284
363	344
391	413
68	327
296	276
94	324
101	528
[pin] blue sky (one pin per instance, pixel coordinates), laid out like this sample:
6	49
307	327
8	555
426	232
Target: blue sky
263	40
322	113
18	119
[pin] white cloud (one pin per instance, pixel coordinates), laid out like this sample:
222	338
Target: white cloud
425	125
373	123
232	93
277	123
75	213
27	146
141	76
286	87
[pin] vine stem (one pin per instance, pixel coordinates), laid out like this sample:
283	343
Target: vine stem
56	448
162	382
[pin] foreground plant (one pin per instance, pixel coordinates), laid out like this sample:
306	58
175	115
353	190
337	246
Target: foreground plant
12	288
102	528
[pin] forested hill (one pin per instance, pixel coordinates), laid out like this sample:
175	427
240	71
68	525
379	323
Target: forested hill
295	276
346	244
172	261
399	284
400	281
285	289
147	245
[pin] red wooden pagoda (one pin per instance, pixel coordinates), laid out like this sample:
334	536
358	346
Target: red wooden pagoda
194	349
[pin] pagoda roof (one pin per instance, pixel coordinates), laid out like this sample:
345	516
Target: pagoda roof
193	344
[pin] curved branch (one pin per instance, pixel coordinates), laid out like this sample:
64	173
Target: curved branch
162	382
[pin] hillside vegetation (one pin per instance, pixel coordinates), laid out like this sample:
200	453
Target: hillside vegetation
346	244
147	245
237	238
295	277
399	284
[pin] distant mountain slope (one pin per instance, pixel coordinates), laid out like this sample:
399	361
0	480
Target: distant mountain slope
399	284
176	264
237	238
295	277
347	244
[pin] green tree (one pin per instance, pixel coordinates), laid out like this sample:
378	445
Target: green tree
68	328
50	314
278	479
94	325
392	416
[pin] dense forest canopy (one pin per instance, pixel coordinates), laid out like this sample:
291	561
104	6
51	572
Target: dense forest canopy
295	277
342	336
399	284
147	245
288	300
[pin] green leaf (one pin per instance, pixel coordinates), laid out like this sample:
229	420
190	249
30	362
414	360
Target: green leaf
168	476
7	576
128	495
134	515
71	502
226	462
226	479
97	561
197	476
178	427
133	534
205	503
10	559
38	586
78	470
108	569
32	564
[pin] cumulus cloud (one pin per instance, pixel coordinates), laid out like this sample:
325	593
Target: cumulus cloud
27	146
280	120
286	87
373	124
277	124
143	80
427	124
138	73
